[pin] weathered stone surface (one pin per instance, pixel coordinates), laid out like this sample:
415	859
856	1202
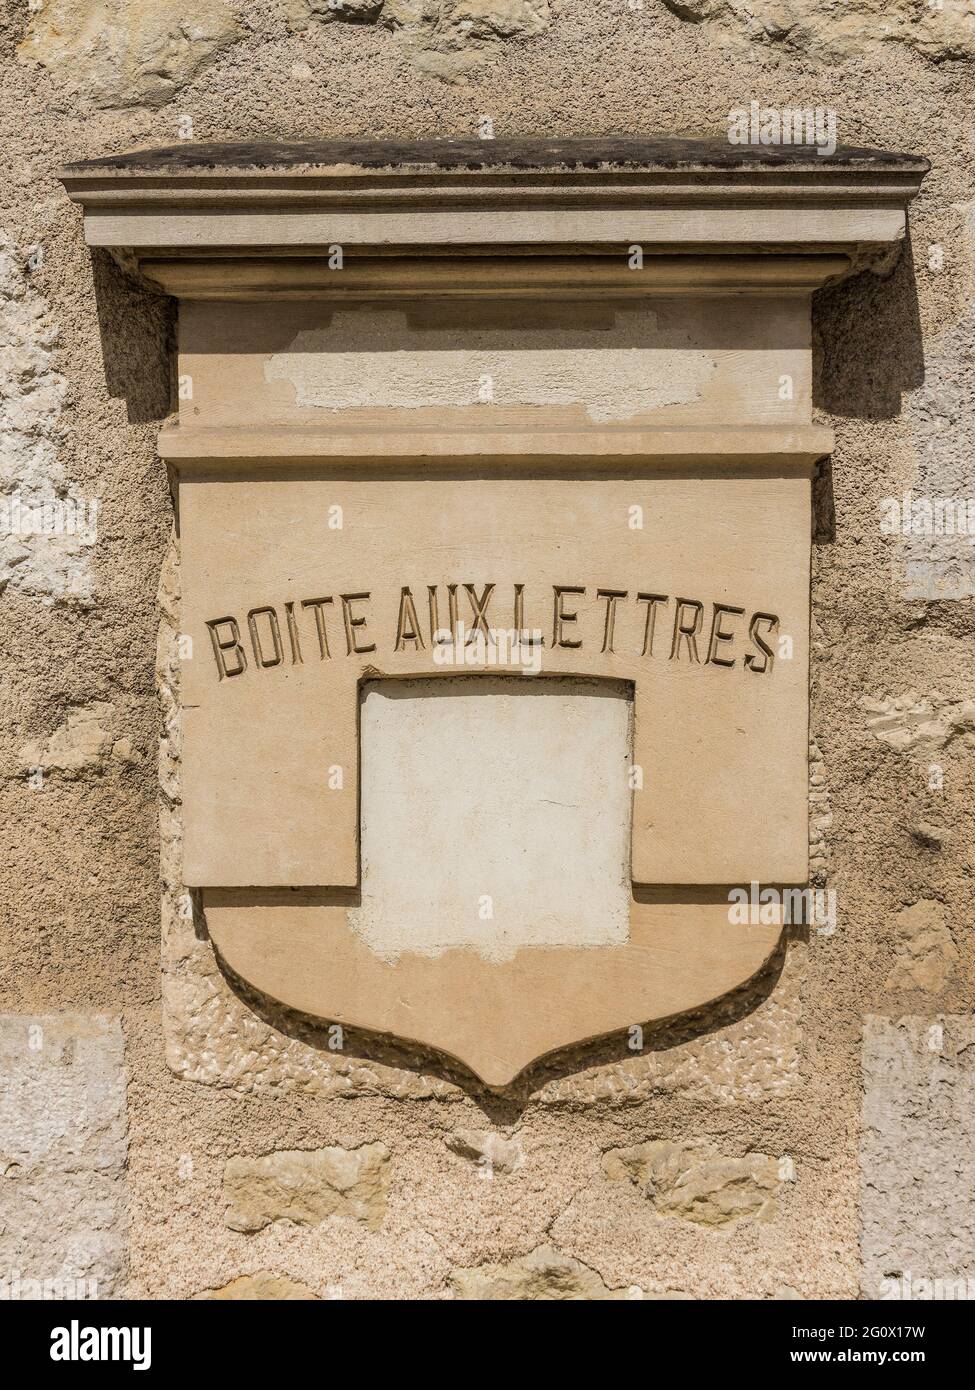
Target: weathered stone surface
935	561
117	53
444	37
33	392
329	11
85	742
213	1037
839	32
696	1183
406	14
544	1275
921	724
305	1187
965	213
488	19
63	1144
492	1152
750	1053
413	736
47	529
926	953
917	1156
440	23
820	816
261	1286
604	372
931	836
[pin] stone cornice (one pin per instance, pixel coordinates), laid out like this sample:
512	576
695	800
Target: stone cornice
584	156
757	227
446	274
549	198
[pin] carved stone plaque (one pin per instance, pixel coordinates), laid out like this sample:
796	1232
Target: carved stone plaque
494	473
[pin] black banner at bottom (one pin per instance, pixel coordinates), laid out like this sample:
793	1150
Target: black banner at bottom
133	1338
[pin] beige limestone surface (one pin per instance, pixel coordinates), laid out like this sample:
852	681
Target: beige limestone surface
301	838
478	776
258	745
773	1069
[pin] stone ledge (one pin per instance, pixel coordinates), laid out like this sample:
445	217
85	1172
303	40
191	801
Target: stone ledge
605	450
579	194
582	153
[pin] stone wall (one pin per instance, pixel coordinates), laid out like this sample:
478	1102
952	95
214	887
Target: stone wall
793	1140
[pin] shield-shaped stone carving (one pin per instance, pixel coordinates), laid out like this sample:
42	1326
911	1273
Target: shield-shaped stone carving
494	473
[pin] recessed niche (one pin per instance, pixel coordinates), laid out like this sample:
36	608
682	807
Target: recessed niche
495	814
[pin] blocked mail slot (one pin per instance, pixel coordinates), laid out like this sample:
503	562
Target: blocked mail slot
494	477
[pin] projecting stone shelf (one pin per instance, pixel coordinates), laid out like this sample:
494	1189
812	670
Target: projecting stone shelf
587	154
495	192
571	445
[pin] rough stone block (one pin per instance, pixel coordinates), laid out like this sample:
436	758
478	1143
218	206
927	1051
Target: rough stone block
306	1187
917	1157
260	1287
545	1275
695	1183
926	952
63	1145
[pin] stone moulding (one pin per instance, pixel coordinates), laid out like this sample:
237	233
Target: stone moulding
487	356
